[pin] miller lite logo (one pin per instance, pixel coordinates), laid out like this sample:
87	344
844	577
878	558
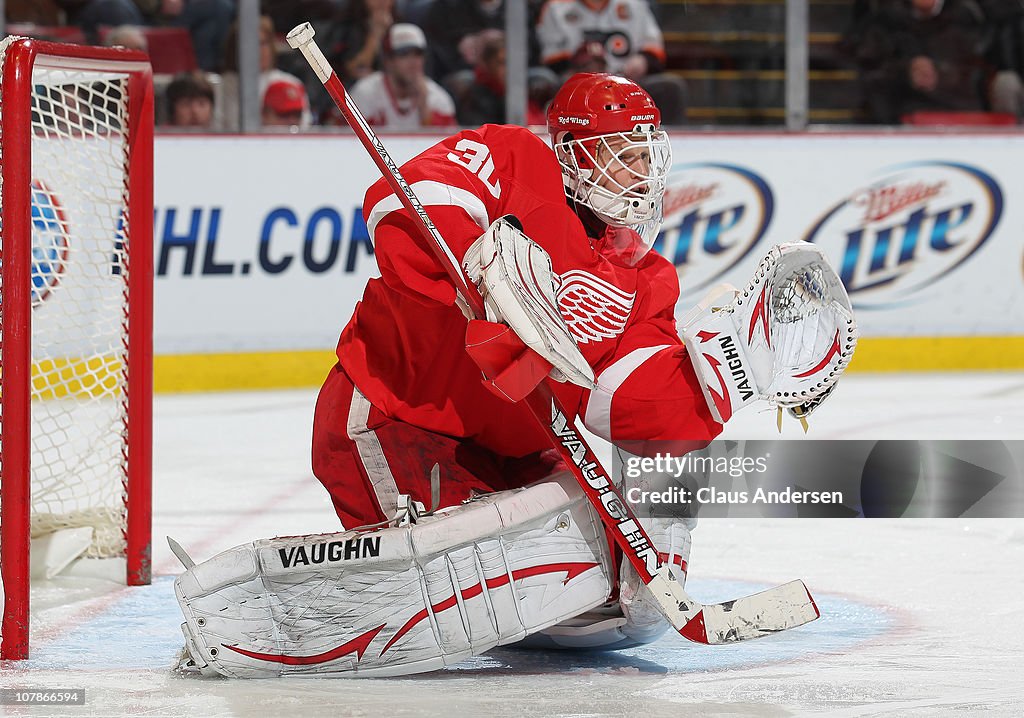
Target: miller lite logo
903	232
714	216
49	242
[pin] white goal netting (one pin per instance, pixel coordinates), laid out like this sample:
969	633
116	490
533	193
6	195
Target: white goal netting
79	299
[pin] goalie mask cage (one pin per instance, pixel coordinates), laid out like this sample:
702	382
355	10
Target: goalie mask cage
76	268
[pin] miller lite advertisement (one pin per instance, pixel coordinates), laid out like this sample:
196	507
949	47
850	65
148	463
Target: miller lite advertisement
920	229
904	231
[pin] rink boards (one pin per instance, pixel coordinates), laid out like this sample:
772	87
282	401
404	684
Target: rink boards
261	251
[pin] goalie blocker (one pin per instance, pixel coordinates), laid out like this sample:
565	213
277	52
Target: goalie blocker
524	338
786	338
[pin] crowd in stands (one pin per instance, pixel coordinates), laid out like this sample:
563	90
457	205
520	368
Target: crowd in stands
923	57
415	64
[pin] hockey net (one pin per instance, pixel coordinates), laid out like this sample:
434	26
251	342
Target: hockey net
75	308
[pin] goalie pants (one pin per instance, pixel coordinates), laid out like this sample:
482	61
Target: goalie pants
366	460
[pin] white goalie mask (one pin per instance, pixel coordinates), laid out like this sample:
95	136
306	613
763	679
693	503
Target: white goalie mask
613	155
619	176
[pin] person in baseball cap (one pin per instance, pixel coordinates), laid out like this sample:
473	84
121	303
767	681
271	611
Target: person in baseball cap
283	104
405	38
400	97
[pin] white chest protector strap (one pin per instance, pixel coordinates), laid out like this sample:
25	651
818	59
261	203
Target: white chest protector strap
785	338
402	600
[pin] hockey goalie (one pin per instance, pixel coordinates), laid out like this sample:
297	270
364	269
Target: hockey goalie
461	531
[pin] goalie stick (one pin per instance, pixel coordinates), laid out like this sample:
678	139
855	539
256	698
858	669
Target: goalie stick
761	614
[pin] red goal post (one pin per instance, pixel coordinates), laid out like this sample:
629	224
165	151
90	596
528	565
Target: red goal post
76	301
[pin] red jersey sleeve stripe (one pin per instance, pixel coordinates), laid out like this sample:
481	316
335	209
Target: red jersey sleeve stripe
598	413
431	193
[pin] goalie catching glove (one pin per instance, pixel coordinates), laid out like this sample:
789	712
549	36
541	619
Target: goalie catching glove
786	338
524	338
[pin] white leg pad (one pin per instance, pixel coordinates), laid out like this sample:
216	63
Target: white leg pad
634	620
398	600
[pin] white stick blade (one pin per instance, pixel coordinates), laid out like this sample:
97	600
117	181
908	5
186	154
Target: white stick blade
762	614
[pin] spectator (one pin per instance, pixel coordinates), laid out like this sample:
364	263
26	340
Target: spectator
190	101
351	37
484	99
570	32
269	73
1006	55
455	28
129	36
207	22
355	39
920	55
90	14
401	97
283	104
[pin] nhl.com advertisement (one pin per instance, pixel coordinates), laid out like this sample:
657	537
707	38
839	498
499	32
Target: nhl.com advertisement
923	231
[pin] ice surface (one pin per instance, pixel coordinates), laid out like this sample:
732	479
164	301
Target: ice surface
919	617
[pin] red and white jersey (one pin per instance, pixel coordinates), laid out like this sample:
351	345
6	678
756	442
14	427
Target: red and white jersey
376	99
404	346
623	27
